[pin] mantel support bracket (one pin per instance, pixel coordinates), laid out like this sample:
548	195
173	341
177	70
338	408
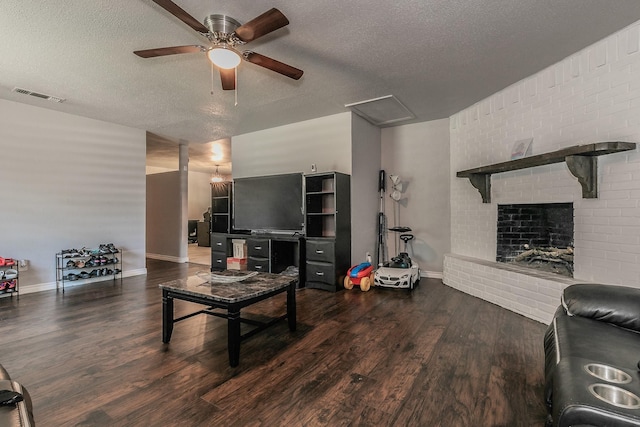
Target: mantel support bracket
585	168
483	183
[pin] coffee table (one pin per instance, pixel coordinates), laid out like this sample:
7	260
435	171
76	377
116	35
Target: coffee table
231	297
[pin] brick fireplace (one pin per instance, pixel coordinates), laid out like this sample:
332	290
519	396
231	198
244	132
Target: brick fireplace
590	96
536	235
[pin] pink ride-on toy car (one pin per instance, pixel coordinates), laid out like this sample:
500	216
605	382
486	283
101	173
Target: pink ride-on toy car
361	275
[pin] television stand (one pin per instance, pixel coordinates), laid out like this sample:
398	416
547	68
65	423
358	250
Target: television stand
268	253
273	253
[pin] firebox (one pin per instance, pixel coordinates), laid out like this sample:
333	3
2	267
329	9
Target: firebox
537	236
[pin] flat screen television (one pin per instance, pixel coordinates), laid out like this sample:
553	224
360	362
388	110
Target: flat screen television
272	203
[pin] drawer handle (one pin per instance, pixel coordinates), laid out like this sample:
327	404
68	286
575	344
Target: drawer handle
319	251
219	243
219	261
319	273
257	248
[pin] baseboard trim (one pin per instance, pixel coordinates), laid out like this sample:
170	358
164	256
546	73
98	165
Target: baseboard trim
51	286
431	274
169	258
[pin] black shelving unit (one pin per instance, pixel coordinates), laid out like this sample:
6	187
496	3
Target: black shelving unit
221	223
221	199
328	229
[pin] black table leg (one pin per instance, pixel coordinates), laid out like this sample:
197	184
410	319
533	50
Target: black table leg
291	306
167	316
234	337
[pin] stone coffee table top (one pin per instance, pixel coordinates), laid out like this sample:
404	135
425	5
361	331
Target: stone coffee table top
260	284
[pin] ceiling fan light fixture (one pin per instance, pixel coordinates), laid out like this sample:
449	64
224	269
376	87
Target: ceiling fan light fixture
224	57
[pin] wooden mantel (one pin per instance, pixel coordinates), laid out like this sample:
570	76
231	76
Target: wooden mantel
582	161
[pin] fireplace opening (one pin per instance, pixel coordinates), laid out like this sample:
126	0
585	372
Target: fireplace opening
538	236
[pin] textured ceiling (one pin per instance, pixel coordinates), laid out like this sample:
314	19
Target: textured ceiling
436	56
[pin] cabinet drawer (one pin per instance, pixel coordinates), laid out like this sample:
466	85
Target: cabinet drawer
321	272
218	242
258	264
218	260
258	248
319	250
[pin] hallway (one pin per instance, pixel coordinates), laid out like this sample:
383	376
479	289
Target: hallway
199	254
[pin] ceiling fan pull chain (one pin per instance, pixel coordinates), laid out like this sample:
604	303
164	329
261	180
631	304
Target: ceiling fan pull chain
212	78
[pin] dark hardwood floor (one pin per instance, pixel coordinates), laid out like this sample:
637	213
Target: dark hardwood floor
437	357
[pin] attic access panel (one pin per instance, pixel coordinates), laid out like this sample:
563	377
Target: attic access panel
382	111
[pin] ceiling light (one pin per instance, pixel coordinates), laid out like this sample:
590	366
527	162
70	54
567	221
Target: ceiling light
223	57
216	152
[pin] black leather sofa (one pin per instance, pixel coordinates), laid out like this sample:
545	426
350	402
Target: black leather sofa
15	415
592	350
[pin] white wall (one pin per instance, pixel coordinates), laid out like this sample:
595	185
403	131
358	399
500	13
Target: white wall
591	96
325	142
333	143
366	150
419	154
164	218
68	182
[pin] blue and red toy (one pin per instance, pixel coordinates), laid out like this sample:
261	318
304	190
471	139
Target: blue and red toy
361	275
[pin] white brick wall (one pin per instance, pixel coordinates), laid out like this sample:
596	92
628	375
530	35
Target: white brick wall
535	295
591	96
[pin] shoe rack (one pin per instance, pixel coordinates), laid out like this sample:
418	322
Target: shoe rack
9	278
88	265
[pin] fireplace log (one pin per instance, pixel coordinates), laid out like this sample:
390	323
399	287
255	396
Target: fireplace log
551	253
566	264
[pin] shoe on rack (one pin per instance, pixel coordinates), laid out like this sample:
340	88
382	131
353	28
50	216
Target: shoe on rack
12	285
80	263
84	275
72	276
70	253
71	264
10	274
3	287
9	261
85	251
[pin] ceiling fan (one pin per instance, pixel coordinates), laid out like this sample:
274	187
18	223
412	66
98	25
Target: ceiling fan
225	34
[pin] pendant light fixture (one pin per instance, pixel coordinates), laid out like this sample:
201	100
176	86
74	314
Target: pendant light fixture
216	177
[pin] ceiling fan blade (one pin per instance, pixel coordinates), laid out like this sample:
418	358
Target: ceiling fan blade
179	13
269	21
273	65
163	51
228	77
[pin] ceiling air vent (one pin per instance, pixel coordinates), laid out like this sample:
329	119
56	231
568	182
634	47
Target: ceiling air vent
383	111
38	95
